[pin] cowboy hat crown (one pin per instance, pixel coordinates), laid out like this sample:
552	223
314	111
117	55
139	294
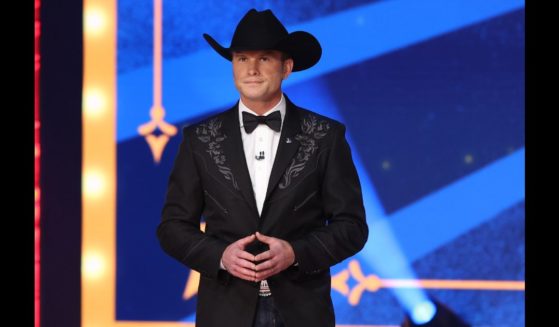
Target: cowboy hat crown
261	30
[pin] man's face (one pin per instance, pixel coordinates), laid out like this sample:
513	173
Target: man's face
258	75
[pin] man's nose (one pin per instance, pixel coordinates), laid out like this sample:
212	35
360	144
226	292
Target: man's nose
253	68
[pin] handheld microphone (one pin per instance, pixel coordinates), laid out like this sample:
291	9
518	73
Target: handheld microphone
260	156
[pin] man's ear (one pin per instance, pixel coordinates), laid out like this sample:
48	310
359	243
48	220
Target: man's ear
287	67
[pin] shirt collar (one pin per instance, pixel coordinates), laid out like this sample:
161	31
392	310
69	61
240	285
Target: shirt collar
280	106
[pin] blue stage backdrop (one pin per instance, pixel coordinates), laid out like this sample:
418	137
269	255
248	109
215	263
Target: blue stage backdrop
432	94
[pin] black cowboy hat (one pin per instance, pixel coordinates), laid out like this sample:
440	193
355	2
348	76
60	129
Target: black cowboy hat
263	31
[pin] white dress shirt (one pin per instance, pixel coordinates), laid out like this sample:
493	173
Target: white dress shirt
262	140
266	140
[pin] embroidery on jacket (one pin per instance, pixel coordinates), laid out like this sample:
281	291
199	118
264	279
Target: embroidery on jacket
312	130
211	134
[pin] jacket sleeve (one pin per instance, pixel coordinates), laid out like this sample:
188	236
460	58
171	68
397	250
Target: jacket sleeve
179	231
346	230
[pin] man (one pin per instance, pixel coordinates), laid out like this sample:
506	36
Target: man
276	186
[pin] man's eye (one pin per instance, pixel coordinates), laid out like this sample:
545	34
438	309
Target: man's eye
241	59
264	58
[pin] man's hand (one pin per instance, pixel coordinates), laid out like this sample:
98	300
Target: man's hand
278	258
237	261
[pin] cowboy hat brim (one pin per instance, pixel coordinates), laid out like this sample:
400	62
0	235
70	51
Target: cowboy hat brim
303	47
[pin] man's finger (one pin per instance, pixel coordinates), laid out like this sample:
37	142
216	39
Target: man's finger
264	266
241	272
246	240
263	256
264	238
246	272
261	275
246	264
245	255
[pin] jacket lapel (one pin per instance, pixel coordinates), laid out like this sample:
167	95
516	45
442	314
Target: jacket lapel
233	148
287	146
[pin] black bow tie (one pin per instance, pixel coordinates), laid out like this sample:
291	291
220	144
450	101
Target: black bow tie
273	121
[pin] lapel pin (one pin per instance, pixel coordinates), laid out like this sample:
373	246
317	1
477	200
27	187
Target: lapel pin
288	140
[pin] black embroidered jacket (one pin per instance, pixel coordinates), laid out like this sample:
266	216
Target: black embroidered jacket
313	201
